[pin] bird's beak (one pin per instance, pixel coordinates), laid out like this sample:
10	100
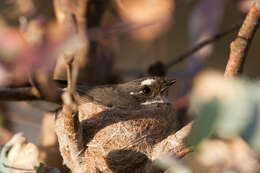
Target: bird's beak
168	83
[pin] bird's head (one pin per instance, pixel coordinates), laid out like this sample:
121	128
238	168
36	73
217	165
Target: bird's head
148	90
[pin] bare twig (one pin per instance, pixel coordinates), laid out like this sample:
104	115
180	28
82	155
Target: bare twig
71	14
23	94
179	137
18	94
73	135
238	54
212	39
71	125
69	74
239	47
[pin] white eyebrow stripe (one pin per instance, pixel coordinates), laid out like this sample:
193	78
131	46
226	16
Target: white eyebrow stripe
153	102
147	82
132	93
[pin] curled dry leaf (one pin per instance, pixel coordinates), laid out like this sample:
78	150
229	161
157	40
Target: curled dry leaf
23	155
18	156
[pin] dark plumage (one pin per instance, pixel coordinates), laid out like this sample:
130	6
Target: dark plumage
132	94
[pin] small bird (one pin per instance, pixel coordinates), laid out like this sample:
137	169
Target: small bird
129	95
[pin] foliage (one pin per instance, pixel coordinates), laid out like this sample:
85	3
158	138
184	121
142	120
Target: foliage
227	108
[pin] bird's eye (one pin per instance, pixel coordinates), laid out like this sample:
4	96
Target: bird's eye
146	90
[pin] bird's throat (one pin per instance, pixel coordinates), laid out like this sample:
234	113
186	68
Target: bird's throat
162	98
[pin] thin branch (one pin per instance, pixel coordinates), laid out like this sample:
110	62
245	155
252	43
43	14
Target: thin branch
71	125
238	54
23	94
196	48
69	74
19	94
180	147
240	46
245	36
239	49
71	14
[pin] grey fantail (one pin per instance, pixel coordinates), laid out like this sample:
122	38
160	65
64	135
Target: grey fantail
132	94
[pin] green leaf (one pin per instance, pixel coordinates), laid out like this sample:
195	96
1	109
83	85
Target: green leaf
205	122
251	133
40	169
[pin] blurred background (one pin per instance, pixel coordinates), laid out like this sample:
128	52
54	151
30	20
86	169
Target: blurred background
163	31
124	39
